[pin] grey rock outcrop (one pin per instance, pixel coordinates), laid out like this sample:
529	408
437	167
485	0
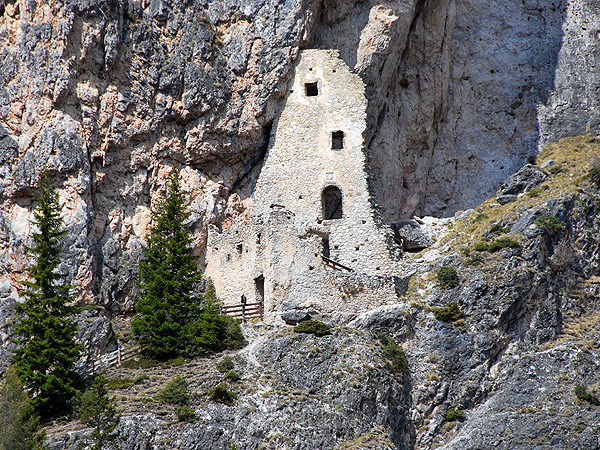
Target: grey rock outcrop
298	391
292	314
525	179
412	236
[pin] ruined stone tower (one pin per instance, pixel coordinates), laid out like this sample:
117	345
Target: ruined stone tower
315	238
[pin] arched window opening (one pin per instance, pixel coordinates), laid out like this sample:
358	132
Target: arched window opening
337	140
332	203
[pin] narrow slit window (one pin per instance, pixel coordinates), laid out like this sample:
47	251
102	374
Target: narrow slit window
332	203
337	140
312	89
325	243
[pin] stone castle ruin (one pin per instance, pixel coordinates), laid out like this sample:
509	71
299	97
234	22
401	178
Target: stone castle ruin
315	239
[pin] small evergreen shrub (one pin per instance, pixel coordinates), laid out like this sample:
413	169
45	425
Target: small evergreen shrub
535	192
448	313
481	247
315	327
454	414
185	414
500	243
393	353
447	277
495	245
583	395
550	224
225	365
233	338
174	393
98	411
232	375
497	228
221	394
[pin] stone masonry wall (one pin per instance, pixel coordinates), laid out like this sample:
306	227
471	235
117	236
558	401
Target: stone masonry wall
283	242
300	163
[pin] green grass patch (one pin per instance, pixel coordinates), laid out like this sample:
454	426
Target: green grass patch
221	394
179	361
555	170
583	395
481	246
480	217
447	277
174	393
139	363
535	192
315	327
394	354
124	383
448	313
453	414
185	413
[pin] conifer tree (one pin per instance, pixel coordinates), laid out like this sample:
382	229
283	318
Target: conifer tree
18	422
46	350
171	319
169	278
98	411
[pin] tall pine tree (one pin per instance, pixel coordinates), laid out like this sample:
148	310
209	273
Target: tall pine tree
169	277
171	320
46	350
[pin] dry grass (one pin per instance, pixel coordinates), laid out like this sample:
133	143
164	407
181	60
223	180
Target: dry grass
573	156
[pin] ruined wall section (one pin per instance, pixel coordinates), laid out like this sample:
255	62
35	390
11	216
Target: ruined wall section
301	163
269	248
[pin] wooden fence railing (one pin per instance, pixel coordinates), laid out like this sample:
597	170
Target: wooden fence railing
110	359
334	265
244	310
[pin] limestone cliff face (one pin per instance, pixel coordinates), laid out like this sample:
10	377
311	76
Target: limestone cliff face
107	95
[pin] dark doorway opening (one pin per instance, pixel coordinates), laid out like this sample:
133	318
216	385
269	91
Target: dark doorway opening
332	203
259	287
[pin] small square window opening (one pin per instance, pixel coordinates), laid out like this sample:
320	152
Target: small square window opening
312	89
337	140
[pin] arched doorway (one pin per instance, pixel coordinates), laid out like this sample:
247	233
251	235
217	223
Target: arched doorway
332	203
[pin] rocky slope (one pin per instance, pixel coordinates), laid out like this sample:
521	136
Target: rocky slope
497	371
